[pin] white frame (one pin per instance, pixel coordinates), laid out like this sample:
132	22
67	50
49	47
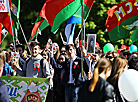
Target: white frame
89	50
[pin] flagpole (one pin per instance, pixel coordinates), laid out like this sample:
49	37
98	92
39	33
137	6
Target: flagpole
3	38
11	24
24	35
82	38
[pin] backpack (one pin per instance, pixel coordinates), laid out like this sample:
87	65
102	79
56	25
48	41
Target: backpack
41	64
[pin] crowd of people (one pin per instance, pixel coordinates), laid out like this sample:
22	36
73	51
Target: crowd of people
74	76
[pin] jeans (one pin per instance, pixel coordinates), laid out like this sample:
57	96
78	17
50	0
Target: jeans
71	93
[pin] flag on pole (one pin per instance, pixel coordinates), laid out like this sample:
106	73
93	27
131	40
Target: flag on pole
0	31
39	26
15	10
122	18
70	27
76	19
57	11
5	16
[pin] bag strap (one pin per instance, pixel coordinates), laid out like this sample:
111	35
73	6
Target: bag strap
41	64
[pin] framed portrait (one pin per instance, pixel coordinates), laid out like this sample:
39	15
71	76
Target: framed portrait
91	41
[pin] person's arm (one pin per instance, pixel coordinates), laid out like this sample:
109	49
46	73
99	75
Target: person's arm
46	69
4	97
108	95
19	71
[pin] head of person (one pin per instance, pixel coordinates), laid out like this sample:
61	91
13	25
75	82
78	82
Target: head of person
63	50
57	51
110	56
6	52
119	65
133	62
3	57
97	55
103	69
20	48
35	49
1	67
62	58
45	54
11	46
70	50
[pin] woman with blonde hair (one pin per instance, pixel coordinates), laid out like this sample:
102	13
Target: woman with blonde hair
119	65
98	89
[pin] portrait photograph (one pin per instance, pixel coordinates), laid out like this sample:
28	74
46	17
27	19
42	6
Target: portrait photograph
91	40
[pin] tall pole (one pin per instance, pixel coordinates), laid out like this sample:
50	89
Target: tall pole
82	38
24	35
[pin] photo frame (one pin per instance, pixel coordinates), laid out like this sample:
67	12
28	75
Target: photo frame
91	41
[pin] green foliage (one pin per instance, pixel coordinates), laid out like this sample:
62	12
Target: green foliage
95	23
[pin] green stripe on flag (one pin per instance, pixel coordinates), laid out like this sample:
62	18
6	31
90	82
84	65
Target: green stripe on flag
120	32
63	14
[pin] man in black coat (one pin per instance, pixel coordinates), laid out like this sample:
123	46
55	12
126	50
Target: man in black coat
3	88
72	76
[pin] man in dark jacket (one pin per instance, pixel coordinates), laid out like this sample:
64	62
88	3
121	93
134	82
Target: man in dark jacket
71	78
3	88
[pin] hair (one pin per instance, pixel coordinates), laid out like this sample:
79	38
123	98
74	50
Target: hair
3	57
111	52
98	51
69	46
1	63
48	54
102	64
133	63
7	55
56	55
118	65
20	45
33	44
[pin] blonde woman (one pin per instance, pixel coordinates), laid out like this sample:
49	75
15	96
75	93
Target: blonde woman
98	89
119	65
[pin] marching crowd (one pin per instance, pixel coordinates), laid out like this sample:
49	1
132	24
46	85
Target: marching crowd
74	75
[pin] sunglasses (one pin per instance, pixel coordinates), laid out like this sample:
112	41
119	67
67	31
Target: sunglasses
62	51
110	57
60	58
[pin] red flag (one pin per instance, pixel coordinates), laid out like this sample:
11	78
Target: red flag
5	16
0	31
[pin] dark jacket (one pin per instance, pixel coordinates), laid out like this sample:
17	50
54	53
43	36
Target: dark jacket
76	70
103	92
3	93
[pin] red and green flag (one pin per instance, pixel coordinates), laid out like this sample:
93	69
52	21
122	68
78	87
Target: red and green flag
57	11
40	25
122	18
5	15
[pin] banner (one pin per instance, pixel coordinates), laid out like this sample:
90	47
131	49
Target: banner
26	89
4	6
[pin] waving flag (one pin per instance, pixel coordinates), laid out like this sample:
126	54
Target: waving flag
122	18
5	16
15	10
76	19
70	27
40	25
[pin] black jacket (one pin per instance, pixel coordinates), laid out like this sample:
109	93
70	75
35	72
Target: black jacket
76	70
3	93
103	92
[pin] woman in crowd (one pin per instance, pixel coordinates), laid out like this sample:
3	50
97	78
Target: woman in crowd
46	55
118	67
7	70
98	89
111	55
